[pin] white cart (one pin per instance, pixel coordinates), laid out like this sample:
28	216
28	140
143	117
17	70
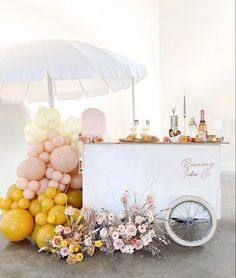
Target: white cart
184	180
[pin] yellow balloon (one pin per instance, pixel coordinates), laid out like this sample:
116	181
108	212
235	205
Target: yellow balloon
47	204
34	233
11	190
44	234
16	224
74	198
35	207
41	218
14	205
42	197
4	211
24	203
5	203
50	192
59	212
17	195
60	199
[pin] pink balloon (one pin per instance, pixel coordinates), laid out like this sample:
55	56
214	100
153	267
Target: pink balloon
39	148
32	168
66	179
67	141
28	194
45	156
52	134
33	185
64	159
57	176
32	153
49	172
58	141
49	146
21	183
53	184
62	187
43	186
76	181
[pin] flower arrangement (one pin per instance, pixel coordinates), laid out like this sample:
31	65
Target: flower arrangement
136	228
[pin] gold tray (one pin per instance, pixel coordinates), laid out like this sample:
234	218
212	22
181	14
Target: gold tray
139	140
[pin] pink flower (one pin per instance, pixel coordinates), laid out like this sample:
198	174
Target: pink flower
64	251
67	230
100	218
135	207
124	200
69	211
118	244
138	244
131	230
142	228
150	200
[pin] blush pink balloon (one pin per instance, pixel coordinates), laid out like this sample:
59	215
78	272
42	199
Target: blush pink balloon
53	184
33	185
32	168
64	159
67	141
32	153
62	187
66	179
21	183
52	134
39	148
76	181
57	176
45	156
49	146
58	141
28	194
43	186
49	172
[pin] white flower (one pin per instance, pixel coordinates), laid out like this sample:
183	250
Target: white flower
111	216
100	218
145	241
59	229
103	233
128	249
118	244
115	235
150	216
121	229
88	242
69	211
131	230
152	233
138	219
64	251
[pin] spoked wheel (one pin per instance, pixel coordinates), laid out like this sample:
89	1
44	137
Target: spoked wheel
190	221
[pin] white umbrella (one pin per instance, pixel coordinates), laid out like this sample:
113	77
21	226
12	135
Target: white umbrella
40	69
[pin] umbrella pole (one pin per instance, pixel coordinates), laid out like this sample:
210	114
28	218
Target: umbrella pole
50	92
133	99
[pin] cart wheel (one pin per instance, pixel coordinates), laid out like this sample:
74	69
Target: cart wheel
190	221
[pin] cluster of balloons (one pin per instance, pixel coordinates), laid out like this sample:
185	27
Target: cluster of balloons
48	180
23	218
52	163
48	119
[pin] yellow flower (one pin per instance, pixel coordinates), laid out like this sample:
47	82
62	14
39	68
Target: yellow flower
81	226
51	219
79	257
72	248
64	243
98	243
76	249
56	241
184	139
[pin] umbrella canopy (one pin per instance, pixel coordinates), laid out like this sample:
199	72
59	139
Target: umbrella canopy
40	69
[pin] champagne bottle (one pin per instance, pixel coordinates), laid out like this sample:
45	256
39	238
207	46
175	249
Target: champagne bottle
202	127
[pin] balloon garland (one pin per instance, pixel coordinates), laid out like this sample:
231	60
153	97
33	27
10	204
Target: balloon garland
47	181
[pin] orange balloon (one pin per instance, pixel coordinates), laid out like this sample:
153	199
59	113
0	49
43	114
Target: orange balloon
32	168
74	198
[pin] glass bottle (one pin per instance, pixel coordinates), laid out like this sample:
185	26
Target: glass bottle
202	127
193	128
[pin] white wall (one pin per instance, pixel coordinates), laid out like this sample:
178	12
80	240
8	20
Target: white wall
197	51
129	28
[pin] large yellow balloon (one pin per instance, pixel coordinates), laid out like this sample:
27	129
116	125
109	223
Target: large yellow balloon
16	224
59	212
74	198
35	231
44	234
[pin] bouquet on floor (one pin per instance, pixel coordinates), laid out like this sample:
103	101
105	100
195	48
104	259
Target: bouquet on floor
136	228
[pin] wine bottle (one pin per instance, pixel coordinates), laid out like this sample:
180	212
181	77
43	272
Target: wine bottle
202	127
